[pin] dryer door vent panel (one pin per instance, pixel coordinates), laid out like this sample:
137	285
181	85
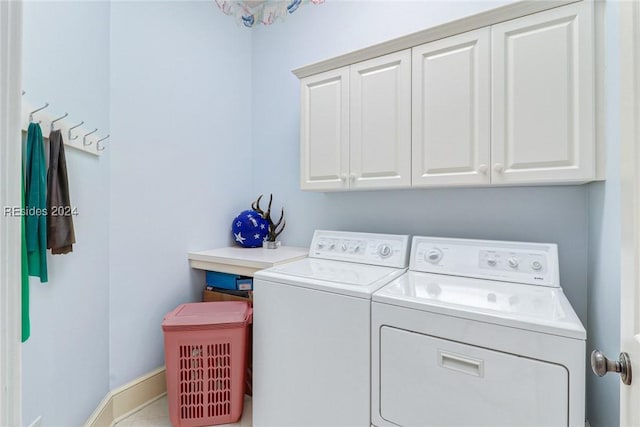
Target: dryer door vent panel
431	381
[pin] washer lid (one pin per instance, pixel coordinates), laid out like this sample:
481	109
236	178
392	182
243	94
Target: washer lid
535	308
347	278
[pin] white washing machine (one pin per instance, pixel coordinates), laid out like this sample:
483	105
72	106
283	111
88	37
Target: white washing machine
477	333
312	330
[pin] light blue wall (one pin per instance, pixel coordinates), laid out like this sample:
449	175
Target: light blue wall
177	78
180	166
603	397
204	116
540	214
65	362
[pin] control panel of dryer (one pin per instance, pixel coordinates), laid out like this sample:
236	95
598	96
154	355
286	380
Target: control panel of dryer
529	263
388	250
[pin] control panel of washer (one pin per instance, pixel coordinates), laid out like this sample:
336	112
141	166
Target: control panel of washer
518	262
389	250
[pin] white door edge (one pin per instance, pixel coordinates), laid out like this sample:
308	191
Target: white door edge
10	188
630	207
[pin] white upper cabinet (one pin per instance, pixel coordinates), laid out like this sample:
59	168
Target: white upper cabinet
500	98
380	122
451	111
356	126
543	115
324	131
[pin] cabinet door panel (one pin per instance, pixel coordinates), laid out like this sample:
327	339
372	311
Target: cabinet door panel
543	110
451	110
381	122
324	131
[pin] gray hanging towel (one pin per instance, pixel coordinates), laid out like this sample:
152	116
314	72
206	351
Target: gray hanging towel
60	234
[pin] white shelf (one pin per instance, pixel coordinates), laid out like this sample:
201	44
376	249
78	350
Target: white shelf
244	261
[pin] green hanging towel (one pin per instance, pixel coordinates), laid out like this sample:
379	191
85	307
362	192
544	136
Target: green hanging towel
26	323
36	204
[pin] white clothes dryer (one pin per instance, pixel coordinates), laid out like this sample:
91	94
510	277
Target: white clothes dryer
312	330
477	333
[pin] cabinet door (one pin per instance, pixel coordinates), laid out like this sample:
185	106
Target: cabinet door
381	122
543	97
451	111
324	131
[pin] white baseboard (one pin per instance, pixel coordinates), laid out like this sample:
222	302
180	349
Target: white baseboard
136	409
37	422
129	398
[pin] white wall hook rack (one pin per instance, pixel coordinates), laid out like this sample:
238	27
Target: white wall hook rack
71	135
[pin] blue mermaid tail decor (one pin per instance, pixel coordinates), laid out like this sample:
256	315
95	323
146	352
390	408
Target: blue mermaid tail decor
250	12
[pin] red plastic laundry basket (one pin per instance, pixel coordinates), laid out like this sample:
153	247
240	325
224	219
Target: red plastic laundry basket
205	355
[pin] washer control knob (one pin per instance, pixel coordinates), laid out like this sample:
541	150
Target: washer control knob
384	251
433	255
354	248
536	265
332	245
513	262
320	245
492	262
343	246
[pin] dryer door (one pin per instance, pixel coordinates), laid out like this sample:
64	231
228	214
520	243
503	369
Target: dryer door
431	381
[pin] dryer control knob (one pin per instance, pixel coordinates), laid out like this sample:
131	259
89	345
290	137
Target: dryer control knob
536	265
513	262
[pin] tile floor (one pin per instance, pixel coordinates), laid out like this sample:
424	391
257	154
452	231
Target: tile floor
156	414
